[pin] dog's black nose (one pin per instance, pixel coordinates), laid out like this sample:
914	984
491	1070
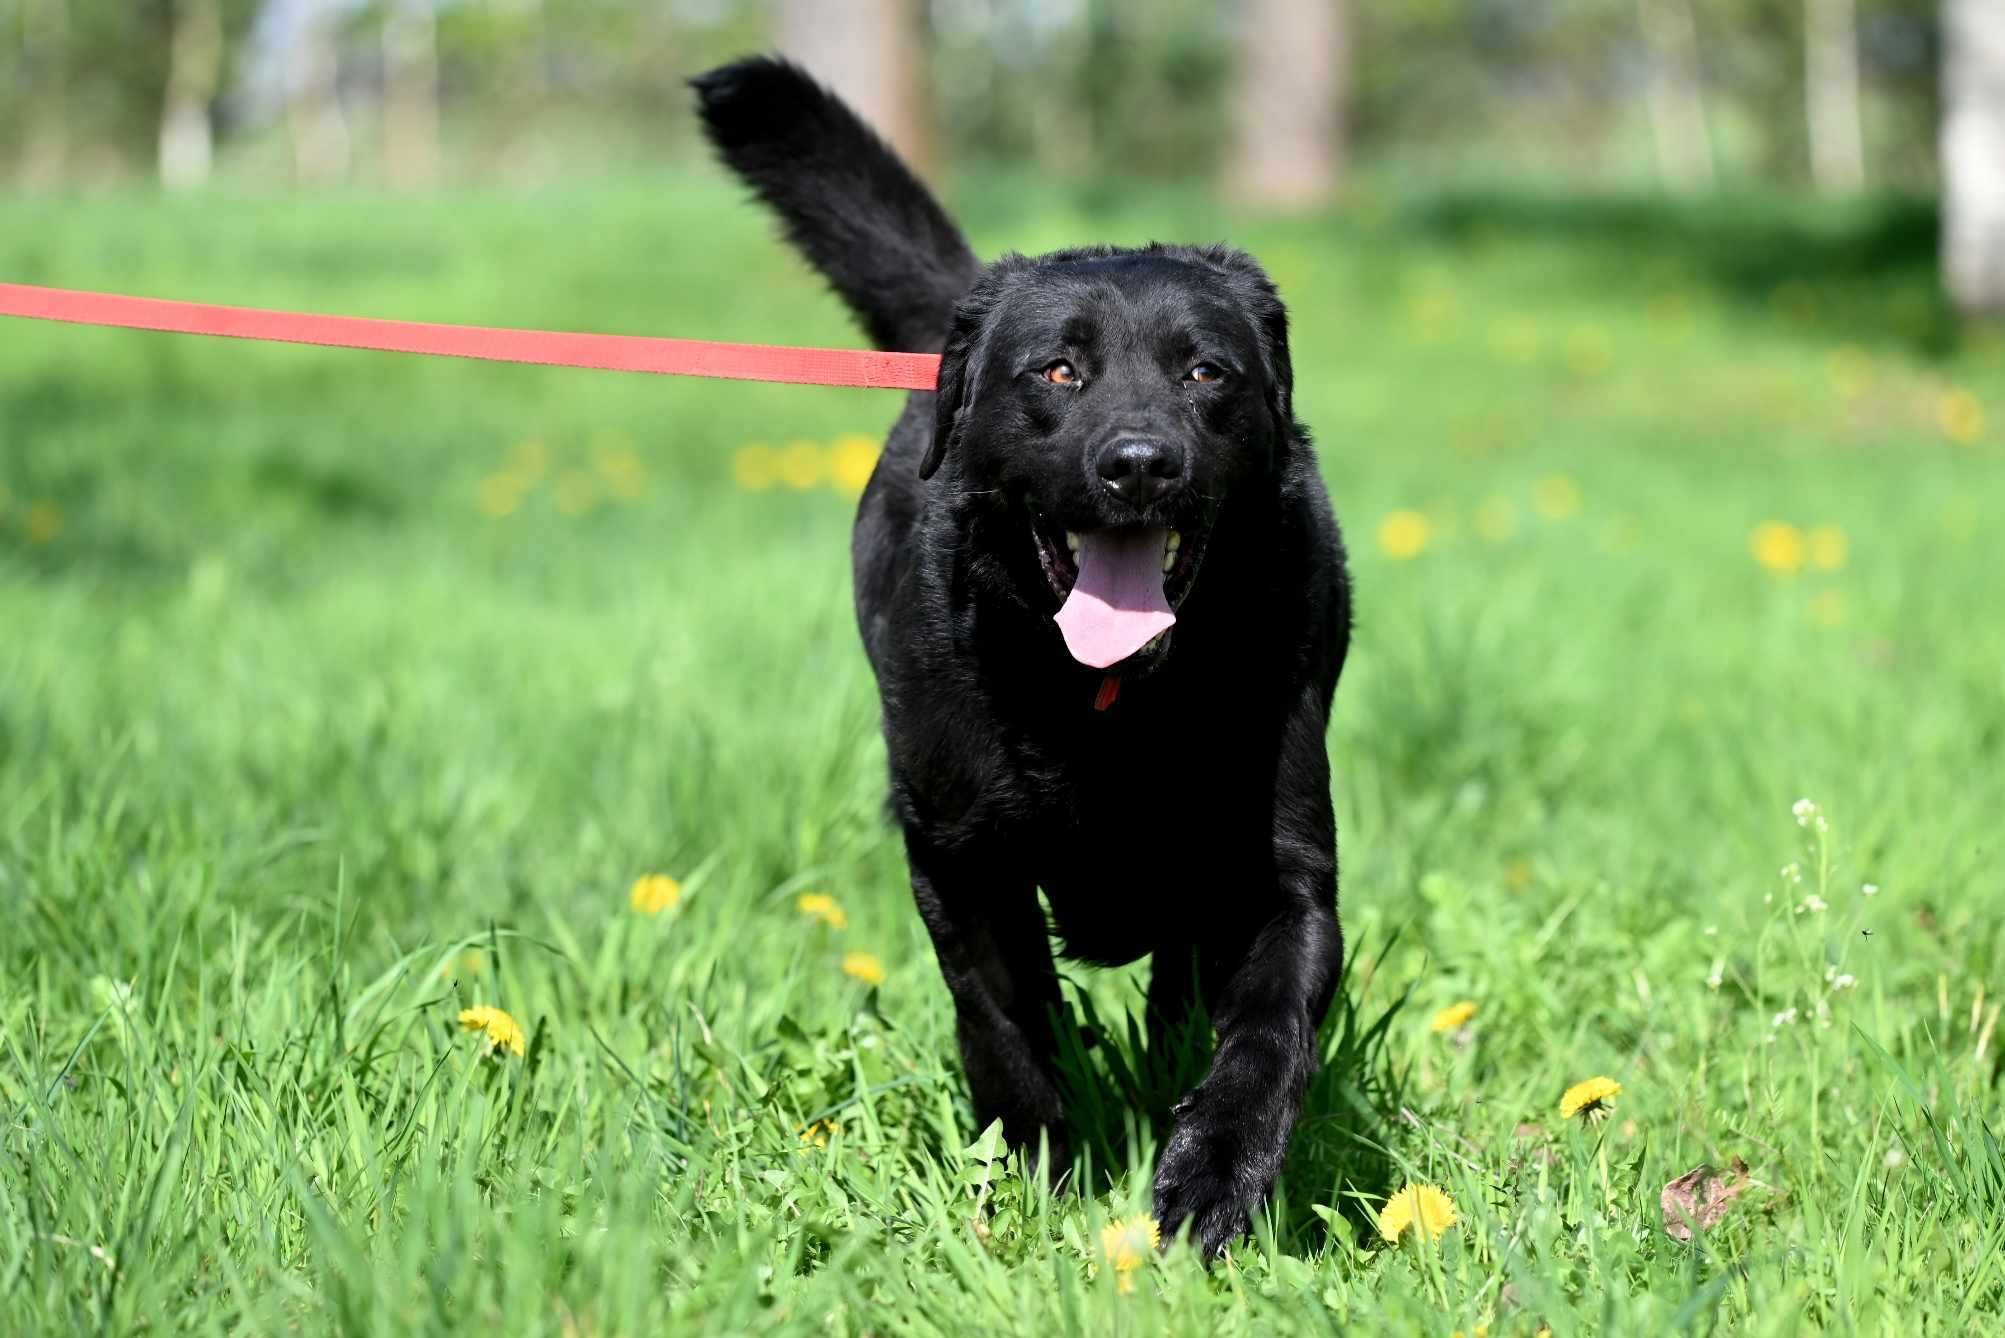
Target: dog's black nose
1138	470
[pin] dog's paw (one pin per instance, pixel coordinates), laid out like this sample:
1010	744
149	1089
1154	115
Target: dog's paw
1213	1173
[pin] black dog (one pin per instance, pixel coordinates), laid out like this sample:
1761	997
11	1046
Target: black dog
1112	450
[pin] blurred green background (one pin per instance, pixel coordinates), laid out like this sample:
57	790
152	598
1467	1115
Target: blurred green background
1647	351
1693	92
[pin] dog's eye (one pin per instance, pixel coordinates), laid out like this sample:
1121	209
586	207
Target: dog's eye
1062	373
1205	373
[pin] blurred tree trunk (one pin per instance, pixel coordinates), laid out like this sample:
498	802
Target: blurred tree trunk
1677	100
411	93
1973	154
45	40
194	70
313	101
1831	94
868	51
1293	95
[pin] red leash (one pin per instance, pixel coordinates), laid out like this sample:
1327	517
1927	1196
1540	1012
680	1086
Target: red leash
613	353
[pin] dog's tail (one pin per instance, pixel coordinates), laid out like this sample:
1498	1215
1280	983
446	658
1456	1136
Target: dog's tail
857	213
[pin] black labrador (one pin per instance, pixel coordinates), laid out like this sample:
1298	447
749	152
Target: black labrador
1106	602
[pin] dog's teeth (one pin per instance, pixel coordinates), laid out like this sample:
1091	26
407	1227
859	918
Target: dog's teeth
1169	560
1072	543
1173	542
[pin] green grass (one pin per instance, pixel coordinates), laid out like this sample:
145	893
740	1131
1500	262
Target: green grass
301	752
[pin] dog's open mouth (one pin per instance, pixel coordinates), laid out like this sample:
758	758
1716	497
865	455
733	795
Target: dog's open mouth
1120	587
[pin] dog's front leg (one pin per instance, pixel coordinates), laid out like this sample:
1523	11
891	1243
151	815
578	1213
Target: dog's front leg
989	934
1277	970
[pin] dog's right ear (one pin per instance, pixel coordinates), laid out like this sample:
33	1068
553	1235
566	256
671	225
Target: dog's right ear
954	396
948	408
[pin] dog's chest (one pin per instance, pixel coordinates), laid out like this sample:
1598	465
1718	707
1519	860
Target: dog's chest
1126	842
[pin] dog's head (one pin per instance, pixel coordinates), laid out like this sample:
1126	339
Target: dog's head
1114	400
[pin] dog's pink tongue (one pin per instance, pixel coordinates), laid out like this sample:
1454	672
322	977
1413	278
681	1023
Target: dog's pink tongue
1116	606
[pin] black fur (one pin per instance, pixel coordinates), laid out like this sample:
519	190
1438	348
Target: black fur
1190	819
851	207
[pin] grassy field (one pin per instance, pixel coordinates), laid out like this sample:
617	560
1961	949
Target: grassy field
340	693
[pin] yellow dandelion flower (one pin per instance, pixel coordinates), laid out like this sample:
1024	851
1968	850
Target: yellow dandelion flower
529	461
1556	497
1515	339
577	492
1423	1207
863	966
1588	351
1851	371
1126	1244
1960	414
818	1133
1404	534
851	461
801	465
1778	546
756	467
1496	519
623	472
1453	1016
503	1032
43	522
1592	1098
501	494
823	907
653	893
1828	547
1432	311
1672	310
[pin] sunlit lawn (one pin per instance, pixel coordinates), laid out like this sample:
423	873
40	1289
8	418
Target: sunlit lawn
341	693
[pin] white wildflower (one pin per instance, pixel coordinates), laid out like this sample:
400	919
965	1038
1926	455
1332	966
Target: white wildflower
1869	889
1843	981
1787	1017
1812	903
1805	811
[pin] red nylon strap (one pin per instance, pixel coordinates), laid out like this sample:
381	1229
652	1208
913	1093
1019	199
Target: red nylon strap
613	353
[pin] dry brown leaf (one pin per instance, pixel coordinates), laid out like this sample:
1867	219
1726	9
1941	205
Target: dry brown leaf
1701	1197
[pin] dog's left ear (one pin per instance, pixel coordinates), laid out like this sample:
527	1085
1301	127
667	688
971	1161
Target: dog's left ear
1280	367
1270	315
1270	319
